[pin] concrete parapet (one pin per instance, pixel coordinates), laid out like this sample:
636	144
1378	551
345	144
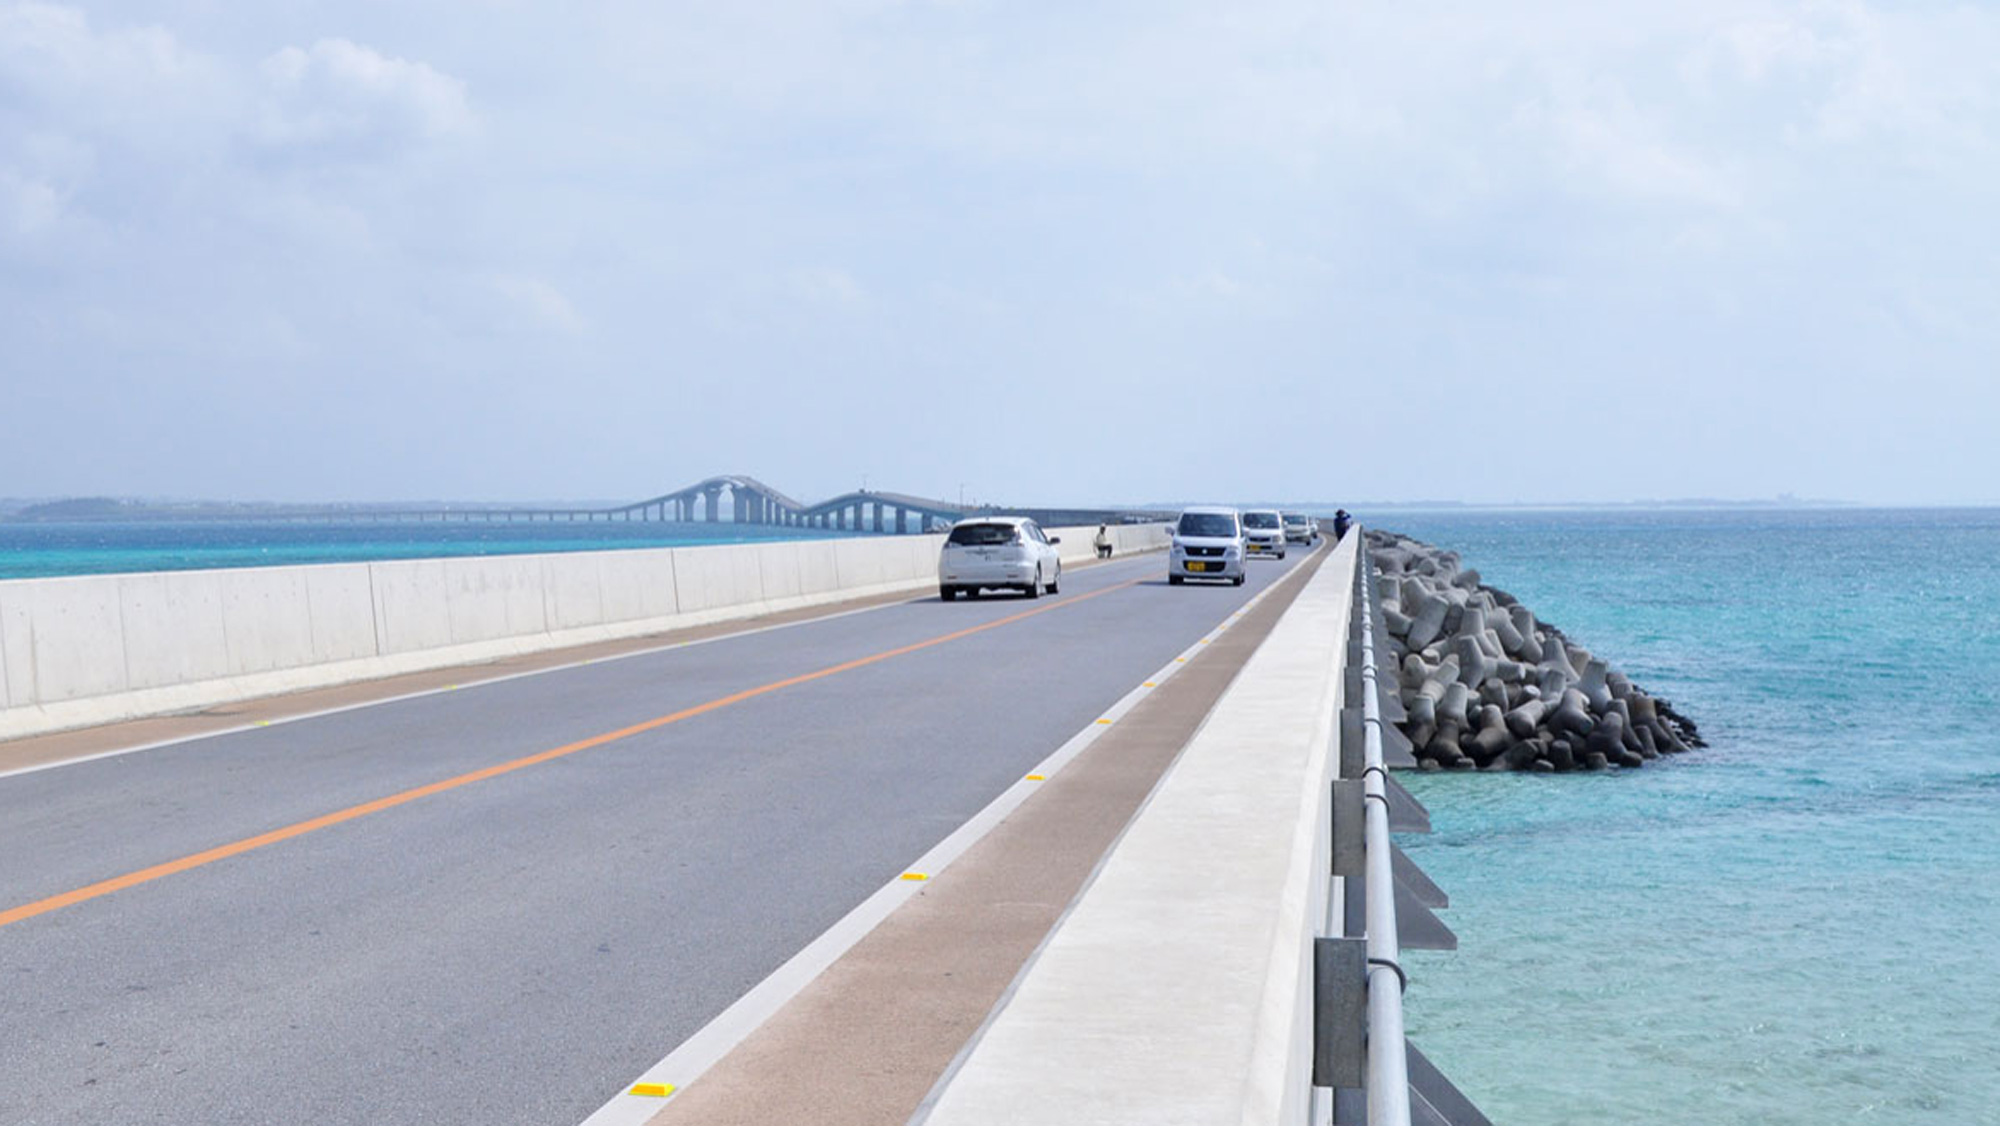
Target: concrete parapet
61	639
97	649
1079	542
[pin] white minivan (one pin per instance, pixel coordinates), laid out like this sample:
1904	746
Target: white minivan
1300	528
1207	544
1264	532
1010	552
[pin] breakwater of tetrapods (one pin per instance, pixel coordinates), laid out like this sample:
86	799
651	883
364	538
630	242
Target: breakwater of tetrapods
1486	684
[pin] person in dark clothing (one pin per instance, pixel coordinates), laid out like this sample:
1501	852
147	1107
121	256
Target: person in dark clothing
1341	522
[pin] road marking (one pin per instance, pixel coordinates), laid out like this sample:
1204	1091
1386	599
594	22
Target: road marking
353	812
653	1090
693	1057
916	876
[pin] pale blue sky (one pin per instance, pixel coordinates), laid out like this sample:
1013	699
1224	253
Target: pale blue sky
1057	252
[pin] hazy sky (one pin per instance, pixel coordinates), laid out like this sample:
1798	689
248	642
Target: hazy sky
1053	252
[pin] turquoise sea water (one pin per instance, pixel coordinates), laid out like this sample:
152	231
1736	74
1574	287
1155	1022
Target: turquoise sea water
1800	924
39	550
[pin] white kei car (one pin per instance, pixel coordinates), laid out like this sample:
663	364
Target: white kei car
1263	532
1208	544
998	551
1300	528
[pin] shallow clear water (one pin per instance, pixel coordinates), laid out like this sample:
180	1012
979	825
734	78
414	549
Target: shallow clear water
38	550
1800	924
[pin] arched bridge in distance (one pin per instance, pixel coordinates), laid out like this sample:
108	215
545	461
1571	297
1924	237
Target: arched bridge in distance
739	499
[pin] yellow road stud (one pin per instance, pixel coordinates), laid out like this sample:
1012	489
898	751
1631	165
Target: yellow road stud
1038	777
916	876
653	1090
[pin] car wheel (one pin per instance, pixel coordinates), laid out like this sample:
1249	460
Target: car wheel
948	593
1055	584
1238	580
1281	555
1035	587
1174	580
971	592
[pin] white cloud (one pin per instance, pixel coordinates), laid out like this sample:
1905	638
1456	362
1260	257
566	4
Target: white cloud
825	285
54	50
138	85
27	207
341	93
1604	146
539	300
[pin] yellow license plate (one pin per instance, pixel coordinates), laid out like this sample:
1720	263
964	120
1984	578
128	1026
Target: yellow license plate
1192	566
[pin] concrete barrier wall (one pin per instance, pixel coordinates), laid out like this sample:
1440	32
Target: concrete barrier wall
1178	987
96	649
1080	544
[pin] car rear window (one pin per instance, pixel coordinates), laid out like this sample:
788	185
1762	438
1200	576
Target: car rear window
982	535
1217	524
1294	519
1260	519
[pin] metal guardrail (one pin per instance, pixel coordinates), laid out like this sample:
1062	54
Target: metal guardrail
1388	1068
1366	1066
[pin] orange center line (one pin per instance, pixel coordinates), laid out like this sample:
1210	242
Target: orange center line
353	812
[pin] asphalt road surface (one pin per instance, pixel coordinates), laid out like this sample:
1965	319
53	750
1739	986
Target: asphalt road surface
339	920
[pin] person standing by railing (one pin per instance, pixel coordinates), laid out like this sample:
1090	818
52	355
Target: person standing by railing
1341	522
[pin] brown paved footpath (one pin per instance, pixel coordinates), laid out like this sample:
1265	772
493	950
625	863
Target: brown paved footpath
866	1041
38	750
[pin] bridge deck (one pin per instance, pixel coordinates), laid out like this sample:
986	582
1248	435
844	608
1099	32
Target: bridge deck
518	947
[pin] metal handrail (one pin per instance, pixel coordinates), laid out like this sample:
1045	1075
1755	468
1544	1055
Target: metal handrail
1388	1068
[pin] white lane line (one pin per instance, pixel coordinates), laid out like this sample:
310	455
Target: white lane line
418	695
734	1024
